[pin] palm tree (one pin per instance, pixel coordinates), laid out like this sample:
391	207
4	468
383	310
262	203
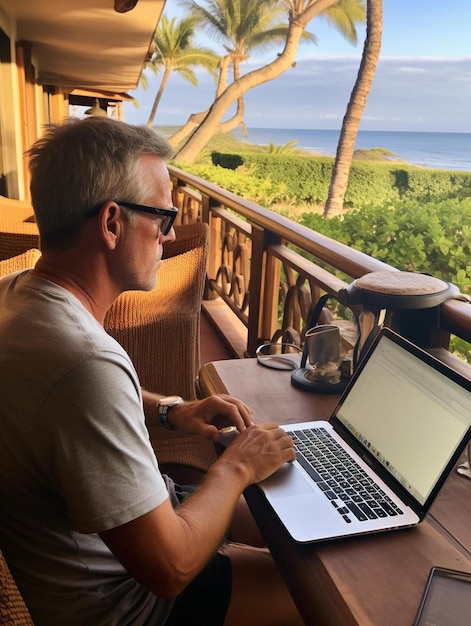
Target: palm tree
287	148
242	26
174	52
352	119
300	13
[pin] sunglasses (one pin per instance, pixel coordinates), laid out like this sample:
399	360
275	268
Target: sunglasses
168	215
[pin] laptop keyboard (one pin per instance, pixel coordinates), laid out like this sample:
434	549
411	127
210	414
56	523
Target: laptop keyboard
348	487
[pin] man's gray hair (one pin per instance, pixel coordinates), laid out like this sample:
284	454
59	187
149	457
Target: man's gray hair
81	163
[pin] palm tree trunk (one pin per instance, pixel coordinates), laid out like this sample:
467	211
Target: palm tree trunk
158	96
224	65
195	119
356	105
182	133
209	125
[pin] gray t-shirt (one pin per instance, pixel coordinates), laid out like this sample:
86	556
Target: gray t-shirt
75	459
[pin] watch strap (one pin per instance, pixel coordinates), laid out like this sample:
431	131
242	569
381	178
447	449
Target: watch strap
163	416
163	407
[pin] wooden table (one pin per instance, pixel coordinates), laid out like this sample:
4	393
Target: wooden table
368	581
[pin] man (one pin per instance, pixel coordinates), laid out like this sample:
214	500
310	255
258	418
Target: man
92	531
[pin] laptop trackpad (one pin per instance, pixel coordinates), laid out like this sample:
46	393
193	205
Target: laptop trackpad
287	481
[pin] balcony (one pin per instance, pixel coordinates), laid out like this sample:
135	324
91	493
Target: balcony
266	273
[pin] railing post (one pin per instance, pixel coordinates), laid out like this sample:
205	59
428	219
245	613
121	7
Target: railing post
269	312
215	244
255	288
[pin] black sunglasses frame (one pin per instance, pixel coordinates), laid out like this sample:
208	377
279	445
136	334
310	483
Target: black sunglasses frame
168	215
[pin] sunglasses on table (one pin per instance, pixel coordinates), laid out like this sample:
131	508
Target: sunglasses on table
168	215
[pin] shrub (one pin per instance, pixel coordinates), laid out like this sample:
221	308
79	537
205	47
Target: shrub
307	178
434	237
264	192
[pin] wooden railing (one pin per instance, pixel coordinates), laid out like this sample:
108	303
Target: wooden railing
269	272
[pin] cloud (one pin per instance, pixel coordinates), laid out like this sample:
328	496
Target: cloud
408	93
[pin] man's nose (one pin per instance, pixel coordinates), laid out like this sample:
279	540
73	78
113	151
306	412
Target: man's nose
169	237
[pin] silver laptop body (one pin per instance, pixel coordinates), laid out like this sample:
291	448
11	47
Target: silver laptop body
404	418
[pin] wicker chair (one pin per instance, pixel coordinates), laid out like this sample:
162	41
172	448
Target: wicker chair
16	210
165	322
23	261
17	237
160	330
18	231
13	610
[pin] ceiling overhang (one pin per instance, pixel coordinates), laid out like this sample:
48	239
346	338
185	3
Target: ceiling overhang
86	43
85	97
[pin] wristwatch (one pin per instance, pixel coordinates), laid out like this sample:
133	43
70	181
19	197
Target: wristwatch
163	407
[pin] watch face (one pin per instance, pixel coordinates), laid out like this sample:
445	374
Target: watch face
170	400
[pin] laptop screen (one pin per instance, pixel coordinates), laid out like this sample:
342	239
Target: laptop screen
410	416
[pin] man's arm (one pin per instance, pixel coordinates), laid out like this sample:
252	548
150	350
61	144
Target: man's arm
166	548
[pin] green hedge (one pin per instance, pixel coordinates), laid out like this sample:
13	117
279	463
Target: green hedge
307	178
265	192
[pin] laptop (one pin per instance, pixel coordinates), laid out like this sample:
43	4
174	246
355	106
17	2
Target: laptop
404	419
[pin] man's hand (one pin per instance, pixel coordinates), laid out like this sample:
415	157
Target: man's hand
258	451
201	417
205	417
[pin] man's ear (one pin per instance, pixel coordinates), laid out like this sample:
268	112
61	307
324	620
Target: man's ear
111	224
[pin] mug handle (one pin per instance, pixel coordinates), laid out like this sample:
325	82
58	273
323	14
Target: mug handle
313	320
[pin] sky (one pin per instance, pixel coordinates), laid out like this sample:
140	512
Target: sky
422	81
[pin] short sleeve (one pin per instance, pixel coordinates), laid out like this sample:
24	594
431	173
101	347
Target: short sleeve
91	441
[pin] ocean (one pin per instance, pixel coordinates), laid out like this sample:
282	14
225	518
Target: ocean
443	151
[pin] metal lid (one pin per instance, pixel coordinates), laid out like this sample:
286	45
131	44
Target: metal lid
399	290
